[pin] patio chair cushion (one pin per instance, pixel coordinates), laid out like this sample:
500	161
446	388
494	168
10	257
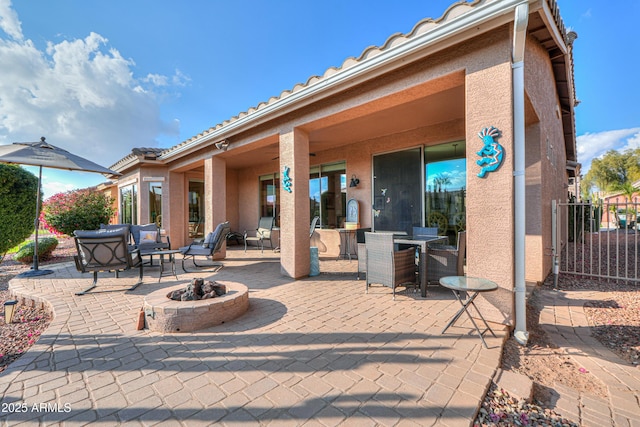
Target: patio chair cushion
208	240
138	230
195	250
148	237
127	227
103	232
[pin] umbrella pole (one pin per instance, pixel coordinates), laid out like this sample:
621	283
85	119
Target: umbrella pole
34	269
36	223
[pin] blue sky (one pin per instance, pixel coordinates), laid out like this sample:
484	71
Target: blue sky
99	78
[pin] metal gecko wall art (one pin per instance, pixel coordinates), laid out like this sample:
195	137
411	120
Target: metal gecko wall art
492	153
287	182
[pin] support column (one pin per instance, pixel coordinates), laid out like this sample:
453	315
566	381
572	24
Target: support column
294	205
174	209
490	203
215	196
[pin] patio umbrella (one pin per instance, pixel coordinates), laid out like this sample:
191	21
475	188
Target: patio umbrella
43	154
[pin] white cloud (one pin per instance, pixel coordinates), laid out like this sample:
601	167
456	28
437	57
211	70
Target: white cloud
82	95
50	188
594	145
9	22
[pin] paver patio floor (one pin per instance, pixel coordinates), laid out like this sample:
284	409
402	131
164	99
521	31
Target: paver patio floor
317	351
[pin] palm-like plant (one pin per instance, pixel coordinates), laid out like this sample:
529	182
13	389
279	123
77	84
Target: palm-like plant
628	190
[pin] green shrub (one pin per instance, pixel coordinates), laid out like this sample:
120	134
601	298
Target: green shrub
63	213
18	192
46	246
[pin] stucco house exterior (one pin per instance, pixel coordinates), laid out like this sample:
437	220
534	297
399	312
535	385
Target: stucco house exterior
407	120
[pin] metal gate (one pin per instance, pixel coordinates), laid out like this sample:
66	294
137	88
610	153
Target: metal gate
596	239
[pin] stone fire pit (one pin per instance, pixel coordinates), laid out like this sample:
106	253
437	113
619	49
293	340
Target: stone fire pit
165	315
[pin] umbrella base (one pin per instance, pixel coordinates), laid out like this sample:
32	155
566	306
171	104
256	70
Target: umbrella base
34	273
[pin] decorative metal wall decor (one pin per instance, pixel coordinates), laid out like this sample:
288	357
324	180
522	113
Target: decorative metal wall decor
492	153
287	182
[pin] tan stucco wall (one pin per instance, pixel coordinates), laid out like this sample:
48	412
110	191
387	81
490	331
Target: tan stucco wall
174	209
545	144
533	181
490	211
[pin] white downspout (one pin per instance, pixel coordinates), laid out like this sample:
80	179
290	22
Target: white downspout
519	37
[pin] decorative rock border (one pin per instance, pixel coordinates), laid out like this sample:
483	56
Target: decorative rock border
168	316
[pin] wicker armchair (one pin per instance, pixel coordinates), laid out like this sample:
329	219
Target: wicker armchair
387	266
362	250
447	260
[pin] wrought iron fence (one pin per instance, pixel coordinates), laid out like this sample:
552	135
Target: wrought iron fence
596	239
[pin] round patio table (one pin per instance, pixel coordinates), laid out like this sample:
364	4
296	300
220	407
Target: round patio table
466	289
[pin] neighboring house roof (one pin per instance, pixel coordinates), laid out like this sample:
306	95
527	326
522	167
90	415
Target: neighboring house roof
139	155
427	36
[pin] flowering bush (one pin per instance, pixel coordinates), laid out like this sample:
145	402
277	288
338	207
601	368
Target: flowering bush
63	213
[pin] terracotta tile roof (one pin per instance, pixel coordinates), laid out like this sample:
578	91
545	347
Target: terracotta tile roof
146	153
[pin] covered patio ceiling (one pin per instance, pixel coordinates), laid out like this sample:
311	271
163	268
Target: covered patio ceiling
440	107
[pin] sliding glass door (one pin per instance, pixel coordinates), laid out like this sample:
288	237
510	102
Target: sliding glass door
328	194
129	204
397	193
196	208
421	187
445	190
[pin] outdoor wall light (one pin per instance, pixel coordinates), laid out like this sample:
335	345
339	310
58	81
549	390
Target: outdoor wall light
9	308
354	181
222	145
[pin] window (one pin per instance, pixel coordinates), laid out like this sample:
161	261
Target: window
446	182
129	204
155	203
269	201
328	194
196	209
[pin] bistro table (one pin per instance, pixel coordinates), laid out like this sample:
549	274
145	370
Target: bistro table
422	242
461	287
171	260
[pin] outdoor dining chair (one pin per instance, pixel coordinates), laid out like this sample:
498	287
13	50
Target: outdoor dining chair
361	250
446	260
387	266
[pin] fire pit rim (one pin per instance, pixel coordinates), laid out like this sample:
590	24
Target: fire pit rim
167	315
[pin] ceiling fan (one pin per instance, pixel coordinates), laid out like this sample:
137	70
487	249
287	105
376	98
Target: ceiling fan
310	155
